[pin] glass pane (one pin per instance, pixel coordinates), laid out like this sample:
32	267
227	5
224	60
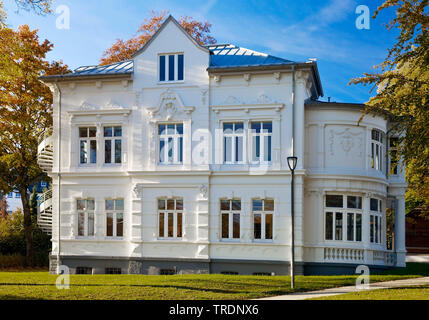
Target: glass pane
108	151
180	149
81	224
372	156
118	151
179	224
110	205
179	128
118	132
328	226
334	201
119	225
92	132
354	202
83	155
267	148
83	132
374	204
171	67
170	225
255	148
108	131
225	226
109	225
170	150
90	224
269	205
90	204
228	128
93	151
236	205
161	224
225	205
377	223
267	127
171	129
239	149
257	226
81	204
371	228
170	204
161	151
179	204
162	68
350	226
161	129
161	204
338	226
236	226
358	227
180	68
256	127
119	204
257	205
239	128
228	149
269	226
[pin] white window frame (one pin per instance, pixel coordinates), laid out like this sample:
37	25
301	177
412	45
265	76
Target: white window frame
261	136
112	140
392	158
233	137
230	214
175	212
86	213
377	144
167	67
115	212
263	214
176	137
377	216
88	140
344	211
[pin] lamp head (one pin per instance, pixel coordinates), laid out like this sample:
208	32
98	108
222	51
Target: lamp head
291	162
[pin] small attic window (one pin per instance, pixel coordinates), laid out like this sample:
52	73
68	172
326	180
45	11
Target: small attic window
171	67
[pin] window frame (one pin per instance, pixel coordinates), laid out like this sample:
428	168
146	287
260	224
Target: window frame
165	212
86	213
393	162
230	214
263	214
261	135
178	149
112	140
176	70
377	138
115	212
88	141
376	232
234	135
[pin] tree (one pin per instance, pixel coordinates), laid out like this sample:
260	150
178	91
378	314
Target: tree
33	204
38	6
25	114
3	208
123	50
402	83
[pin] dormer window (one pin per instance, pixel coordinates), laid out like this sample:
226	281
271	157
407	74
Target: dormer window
171	67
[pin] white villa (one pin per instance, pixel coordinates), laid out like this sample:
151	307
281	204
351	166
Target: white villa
176	162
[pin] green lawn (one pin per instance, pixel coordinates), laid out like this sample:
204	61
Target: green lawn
41	285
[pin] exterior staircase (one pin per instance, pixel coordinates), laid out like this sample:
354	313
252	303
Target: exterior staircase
45	152
44	217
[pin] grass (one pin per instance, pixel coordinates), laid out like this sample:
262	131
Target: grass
41	285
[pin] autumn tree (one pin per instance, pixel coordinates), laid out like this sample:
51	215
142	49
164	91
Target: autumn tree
38	6
3	207
402	84
25	114
123	50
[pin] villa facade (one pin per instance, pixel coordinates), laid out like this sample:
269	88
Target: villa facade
176	162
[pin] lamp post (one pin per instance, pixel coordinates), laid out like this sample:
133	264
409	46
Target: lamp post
291	162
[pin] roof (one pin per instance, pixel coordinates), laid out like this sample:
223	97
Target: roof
329	104
229	56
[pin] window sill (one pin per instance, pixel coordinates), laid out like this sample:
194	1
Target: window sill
171	82
114	238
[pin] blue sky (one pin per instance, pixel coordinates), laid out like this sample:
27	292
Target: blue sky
291	29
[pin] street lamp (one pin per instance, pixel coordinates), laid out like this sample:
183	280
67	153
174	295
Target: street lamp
291	162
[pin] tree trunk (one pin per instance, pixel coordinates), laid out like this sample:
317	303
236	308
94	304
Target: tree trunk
28	228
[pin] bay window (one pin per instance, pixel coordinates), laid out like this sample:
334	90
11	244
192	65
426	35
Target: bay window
375	221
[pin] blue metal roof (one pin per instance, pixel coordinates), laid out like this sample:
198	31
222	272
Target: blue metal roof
119	67
229	56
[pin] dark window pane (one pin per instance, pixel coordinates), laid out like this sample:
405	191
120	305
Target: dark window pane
269	205
225	205
374	204
170	225
269	226
90	223
118	132
179	224
239	127
161	129
228	128
92	132
180	149
118	151
256	127
110	204
350	226
257	205
377	224
171	129
162	68
358	227
119	224
171	68
257	226
109	224
83	155
81	224
93	151
170	150
227	149
170	204
328	226
354	202
90	204
119	204
179	128
161	204
162	151
236	226
83	132
180	67
108	132
161	224
236	205
108	151
238	148
334	201
268	148
225	226
338	226
268	127
371	228
179	204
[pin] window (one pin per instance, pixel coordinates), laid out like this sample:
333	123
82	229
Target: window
377	150
88	145
375	221
112	145
10	195
113	271
393	155
167	272
233	139
263	211
230	213
171	67
43	184
171	143
170	212
229	273
83	270
85	211
114	218
343	214
17	195
261	141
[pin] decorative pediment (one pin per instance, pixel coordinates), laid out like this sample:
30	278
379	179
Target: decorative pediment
110	105
170	106
85	105
262	102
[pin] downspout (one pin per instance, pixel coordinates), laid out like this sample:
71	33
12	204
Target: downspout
59	178
293	110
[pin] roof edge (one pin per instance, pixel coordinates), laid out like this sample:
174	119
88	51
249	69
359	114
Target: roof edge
73	77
